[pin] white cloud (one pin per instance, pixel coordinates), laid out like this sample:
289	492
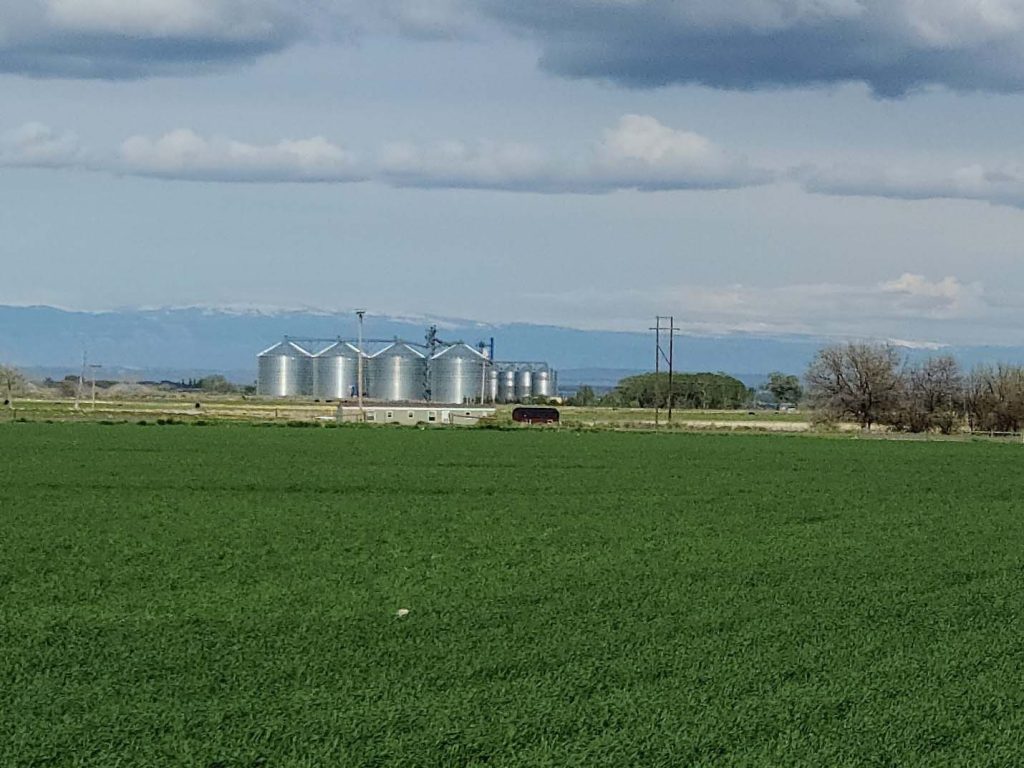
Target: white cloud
642	153
35	145
456	164
436	19
638	153
948	289
910	304
185	155
165	18
999	186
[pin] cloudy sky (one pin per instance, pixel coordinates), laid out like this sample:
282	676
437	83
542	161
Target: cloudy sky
848	167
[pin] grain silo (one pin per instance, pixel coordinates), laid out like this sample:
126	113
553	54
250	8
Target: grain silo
524	383
543	382
336	372
458	374
492	384
506	384
284	370
397	373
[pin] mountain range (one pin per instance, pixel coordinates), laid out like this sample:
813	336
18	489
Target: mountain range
186	342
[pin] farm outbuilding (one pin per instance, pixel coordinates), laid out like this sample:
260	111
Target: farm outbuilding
411	415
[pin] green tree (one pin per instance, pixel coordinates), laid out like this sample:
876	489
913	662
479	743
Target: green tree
216	384
584	397
785	388
689	391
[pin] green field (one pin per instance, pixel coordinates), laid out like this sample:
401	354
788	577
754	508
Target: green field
227	596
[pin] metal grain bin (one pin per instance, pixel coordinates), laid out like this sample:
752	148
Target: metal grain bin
524	383
336	371
458	375
492	384
284	370
397	373
543	383
506	385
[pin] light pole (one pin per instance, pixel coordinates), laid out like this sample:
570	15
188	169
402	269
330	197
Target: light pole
359	367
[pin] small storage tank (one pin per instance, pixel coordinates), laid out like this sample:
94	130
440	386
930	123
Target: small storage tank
506	385
543	382
284	370
458	375
336	372
397	373
524	383
492	384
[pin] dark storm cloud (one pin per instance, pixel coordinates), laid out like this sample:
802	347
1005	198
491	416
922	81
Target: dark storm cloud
894	46
131	39
98	57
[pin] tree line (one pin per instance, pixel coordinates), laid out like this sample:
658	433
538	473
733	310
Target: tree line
871	384
688	390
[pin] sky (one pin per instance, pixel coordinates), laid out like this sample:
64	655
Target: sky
850	168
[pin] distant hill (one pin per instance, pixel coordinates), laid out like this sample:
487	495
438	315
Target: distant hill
190	342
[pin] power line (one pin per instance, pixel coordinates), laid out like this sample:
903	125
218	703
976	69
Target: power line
664	352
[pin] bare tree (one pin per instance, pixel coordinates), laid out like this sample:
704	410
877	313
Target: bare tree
995	398
12	382
857	381
931	396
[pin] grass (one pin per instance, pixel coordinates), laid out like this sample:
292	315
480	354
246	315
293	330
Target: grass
614	416
221	408
227	596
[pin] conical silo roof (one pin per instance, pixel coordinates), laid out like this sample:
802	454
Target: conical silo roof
339	349
463	351
285	348
399	349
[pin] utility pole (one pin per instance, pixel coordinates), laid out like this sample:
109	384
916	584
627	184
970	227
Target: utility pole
359	373
661	354
81	381
657	367
671	351
92	368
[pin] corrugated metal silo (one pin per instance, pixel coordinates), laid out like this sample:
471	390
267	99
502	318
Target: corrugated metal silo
336	371
543	382
524	383
457	375
507	385
397	373
284	370
492	385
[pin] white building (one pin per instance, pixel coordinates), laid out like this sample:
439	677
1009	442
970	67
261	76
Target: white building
414	414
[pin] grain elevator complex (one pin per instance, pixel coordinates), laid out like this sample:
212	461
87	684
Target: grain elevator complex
399	371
